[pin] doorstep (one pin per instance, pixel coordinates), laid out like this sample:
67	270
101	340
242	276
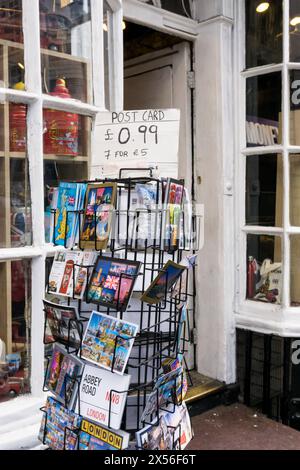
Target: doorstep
237	427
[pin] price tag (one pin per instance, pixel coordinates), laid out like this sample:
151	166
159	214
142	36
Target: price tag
138	138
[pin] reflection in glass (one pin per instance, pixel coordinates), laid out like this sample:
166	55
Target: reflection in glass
66	47
264	190
181	7
295	107
15	325
263	110
295	270
295	190
294	31
264	268
263	33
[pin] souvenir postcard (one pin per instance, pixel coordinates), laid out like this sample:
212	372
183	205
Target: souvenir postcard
67	265
98	215
181	284
179	425
95	437
59	426
169	388
62	374
173	198
69	200
103	396
62	325
112	282
108	341
163	283
155	436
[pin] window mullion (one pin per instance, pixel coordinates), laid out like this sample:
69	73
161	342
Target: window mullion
32	56
115	59
286	172
98	53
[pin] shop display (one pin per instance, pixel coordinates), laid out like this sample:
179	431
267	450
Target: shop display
108	341
172	431
95	437
61	128
98	214
62	372
102	396
70	273
172	210
108	370
61	325
58	426
112	282
70	200
163	283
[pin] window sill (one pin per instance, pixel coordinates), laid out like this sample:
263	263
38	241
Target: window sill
20	420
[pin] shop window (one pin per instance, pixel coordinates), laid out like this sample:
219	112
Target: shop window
294	31
264	190
66	154
264	268
15	201
263	110
66	47
15	326
295	190
181	7
263	32
295	107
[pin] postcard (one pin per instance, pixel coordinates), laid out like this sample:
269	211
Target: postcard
179	425
62	325
98	215
59	426
69	202
95	437
62	376
108	341
165	279
67	265
155	436
103	396
112	282
173	199
169	388
181	284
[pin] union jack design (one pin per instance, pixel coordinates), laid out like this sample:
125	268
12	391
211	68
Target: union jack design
111	282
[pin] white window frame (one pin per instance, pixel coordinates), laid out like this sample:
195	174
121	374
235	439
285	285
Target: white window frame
281	319
34	98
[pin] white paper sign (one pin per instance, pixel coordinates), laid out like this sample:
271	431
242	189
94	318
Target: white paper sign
99	388
137	138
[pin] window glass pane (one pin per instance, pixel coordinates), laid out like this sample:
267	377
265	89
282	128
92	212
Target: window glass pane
295	190
15	324
295	270
264	268
66	47
295	107
66	154
15	200
11	44
263	110
264	190
263	32
294	30
181	7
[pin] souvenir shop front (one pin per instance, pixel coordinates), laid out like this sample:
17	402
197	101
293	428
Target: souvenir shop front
148	206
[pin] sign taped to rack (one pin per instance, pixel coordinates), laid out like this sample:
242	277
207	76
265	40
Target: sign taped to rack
137	138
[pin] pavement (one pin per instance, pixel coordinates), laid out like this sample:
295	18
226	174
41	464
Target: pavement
238	427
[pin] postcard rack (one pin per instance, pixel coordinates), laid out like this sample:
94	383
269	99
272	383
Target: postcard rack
162	332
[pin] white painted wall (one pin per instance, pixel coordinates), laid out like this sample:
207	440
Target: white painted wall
214	163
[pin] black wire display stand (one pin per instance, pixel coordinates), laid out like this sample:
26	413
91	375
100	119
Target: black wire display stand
161	332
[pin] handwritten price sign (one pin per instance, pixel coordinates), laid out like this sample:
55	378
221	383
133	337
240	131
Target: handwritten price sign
143	136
